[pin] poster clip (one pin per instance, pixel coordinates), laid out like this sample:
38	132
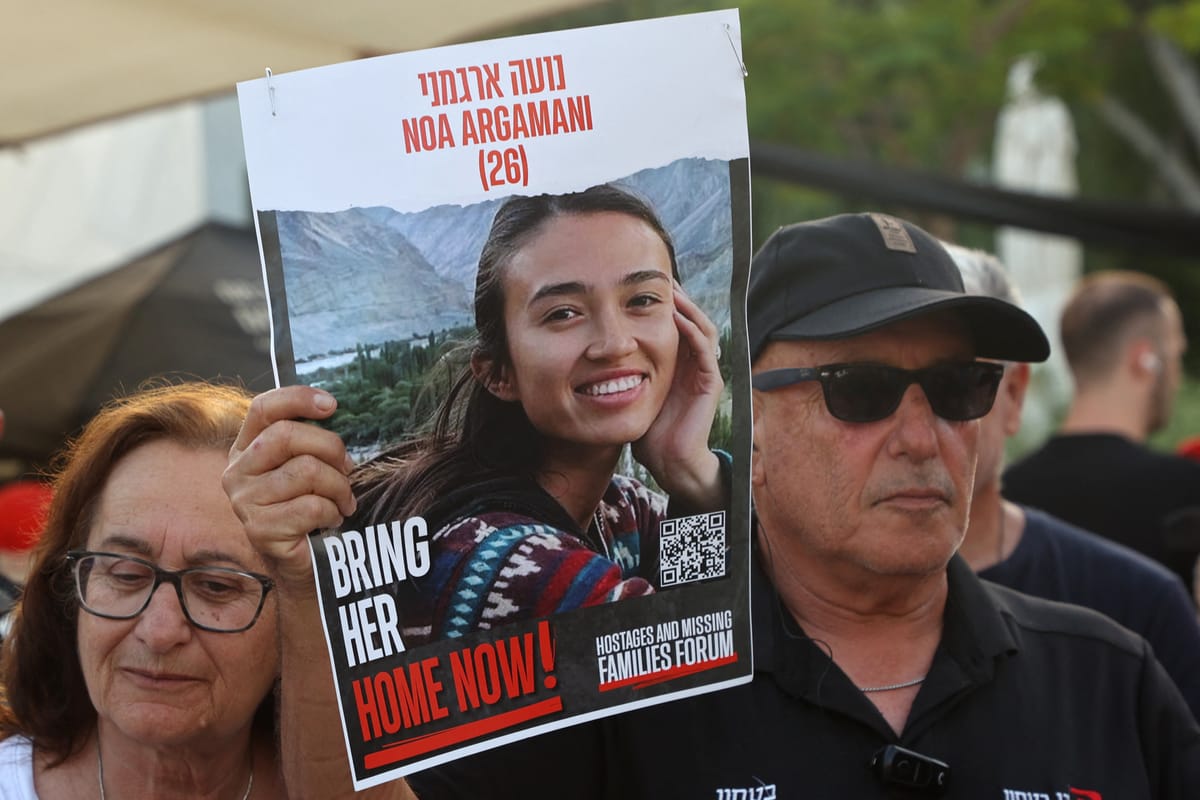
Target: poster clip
736	54
271	90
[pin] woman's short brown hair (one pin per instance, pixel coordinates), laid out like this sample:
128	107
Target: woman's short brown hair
45	697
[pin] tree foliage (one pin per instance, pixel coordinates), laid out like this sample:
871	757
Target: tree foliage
919	84
389	391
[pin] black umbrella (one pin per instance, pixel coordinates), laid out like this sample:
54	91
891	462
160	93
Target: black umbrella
194	308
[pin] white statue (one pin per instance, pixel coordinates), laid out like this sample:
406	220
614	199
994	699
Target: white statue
1035	138
1035	152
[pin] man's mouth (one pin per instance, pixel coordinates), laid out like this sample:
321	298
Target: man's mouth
916	497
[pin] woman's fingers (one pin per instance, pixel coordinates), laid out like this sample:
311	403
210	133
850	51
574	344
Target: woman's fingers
287	477
694	314
286	440
284	403
698	333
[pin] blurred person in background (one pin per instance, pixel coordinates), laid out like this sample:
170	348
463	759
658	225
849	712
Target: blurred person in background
142	657
1122	335
1036	553
22	513
1189	448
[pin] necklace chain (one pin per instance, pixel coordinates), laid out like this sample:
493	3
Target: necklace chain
100	773
889	687
598	515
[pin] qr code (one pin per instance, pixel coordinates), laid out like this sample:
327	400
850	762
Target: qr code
691	549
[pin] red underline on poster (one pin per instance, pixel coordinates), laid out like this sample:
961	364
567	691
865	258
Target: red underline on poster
471	730
642	681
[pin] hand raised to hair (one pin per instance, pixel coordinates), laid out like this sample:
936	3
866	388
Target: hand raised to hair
675	448
286	478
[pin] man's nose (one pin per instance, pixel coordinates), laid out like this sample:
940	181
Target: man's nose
915	434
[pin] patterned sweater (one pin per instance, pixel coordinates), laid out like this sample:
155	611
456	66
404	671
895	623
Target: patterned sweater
499	566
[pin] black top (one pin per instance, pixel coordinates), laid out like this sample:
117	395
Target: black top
1024	696
1117	488
1058	561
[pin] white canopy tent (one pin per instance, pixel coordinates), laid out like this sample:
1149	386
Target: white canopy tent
79	197
68	62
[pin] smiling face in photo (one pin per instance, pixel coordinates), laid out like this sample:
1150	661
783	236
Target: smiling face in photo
590	319
156	677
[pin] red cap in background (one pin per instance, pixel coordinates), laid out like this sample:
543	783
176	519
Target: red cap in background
23	505
1189	448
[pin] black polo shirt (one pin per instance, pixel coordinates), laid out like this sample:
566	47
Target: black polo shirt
1026	699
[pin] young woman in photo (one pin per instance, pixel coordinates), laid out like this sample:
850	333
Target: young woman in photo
585	342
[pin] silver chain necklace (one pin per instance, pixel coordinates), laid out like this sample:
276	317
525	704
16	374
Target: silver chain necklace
886	688
598	515
100	773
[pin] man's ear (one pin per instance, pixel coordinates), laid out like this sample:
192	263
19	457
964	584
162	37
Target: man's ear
1142	360
1016	384
757	469
496	378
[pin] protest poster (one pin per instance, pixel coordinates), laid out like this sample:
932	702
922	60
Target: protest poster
375	185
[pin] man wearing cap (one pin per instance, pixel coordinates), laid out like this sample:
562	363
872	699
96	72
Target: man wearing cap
883	666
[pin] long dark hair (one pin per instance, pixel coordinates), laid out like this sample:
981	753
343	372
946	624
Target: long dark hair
474	436
45	695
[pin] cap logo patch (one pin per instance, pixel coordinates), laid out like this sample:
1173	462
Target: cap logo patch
895	235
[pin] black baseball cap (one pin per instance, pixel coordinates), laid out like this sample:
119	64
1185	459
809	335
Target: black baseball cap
841	276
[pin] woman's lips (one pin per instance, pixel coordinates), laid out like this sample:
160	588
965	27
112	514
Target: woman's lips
155	679
612	385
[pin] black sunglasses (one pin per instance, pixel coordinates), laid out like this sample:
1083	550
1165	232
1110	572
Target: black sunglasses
957	391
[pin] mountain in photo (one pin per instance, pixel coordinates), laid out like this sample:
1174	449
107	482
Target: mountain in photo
369	275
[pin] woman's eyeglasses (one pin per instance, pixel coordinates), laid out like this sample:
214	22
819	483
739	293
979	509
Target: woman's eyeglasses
956	391
214	599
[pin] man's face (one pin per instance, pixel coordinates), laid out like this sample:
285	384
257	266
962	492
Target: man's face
880	498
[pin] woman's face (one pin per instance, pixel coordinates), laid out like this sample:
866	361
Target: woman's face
156	678
590	315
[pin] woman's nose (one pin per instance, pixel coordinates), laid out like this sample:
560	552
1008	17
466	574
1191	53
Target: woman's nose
162	624
613	338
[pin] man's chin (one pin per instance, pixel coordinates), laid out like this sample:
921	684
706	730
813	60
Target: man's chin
914	559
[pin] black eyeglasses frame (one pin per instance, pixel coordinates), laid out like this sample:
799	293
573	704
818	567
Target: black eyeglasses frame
173	577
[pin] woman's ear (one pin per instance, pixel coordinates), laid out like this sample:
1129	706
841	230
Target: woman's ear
496	378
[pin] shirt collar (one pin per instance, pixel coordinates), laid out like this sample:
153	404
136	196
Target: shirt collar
974	638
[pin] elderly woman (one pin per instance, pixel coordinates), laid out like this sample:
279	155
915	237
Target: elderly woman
143	657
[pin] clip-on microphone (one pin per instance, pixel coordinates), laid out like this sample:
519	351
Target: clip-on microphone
897	766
